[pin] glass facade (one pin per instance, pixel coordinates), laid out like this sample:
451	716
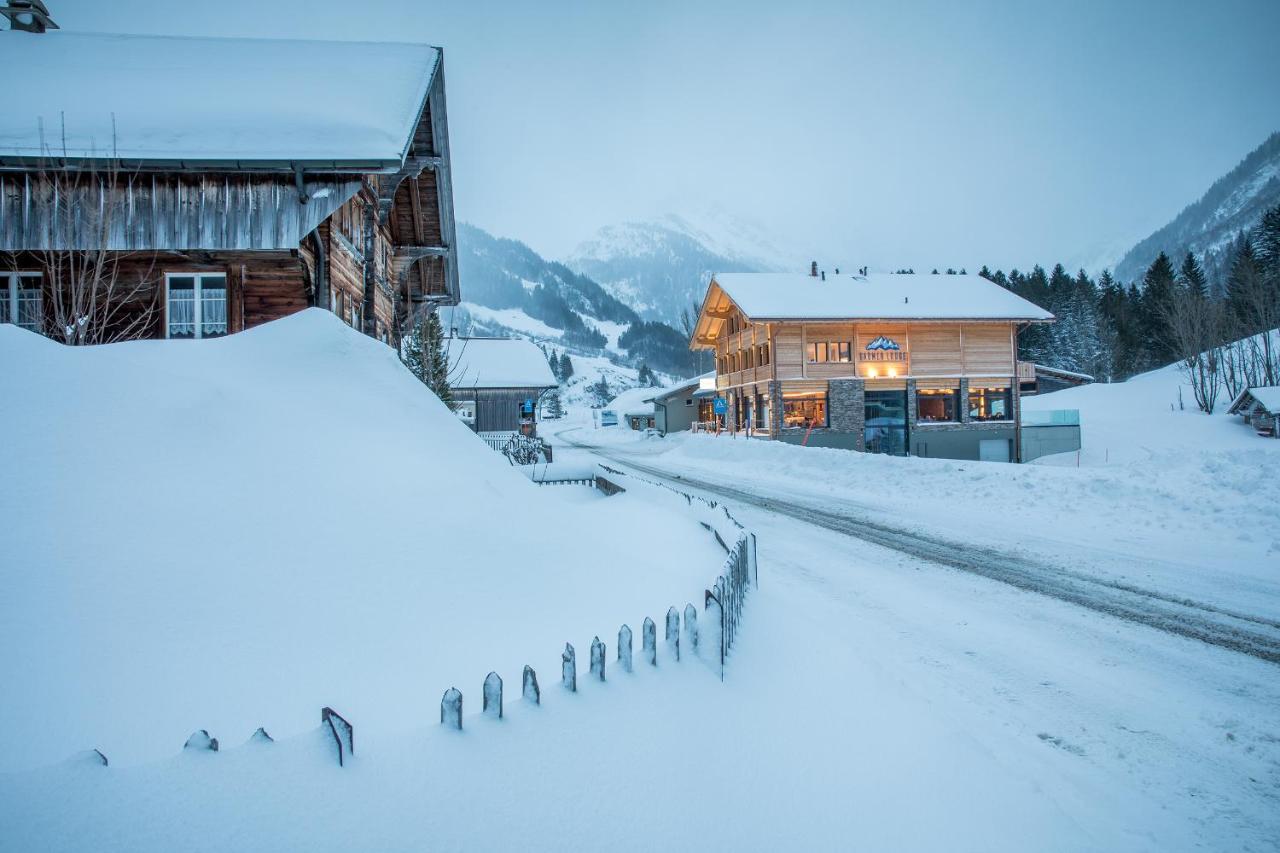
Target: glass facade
939	405
990	404
804	410
885	430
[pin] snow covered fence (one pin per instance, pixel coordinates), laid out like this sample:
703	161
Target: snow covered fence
738	575
342	731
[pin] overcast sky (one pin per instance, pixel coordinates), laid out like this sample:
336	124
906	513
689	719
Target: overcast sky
912	134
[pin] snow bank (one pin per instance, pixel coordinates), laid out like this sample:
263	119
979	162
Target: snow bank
233	533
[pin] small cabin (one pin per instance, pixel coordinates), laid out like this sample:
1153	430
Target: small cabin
679	407
497	384
1260	408
191	187
901	364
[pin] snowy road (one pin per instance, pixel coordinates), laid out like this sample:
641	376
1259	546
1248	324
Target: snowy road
1253	635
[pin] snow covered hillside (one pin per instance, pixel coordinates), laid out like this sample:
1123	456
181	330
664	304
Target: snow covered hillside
1207	227
233	533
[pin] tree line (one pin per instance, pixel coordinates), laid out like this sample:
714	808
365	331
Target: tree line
1217	331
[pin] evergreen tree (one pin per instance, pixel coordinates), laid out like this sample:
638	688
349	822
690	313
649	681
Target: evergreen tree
554	406
601	393
554	361
566	367
645	376
1158	293
1192	276
423	352
1245	277
986	273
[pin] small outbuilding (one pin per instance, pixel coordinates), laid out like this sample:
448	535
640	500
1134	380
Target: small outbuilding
497	382
680	406
1260	407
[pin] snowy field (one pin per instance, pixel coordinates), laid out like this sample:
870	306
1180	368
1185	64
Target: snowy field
235	533
873	701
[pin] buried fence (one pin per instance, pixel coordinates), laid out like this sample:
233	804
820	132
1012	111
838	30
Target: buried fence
722	610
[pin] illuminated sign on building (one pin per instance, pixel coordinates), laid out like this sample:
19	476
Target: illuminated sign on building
882	348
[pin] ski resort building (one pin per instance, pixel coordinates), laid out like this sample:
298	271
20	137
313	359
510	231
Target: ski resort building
922	365
168	187
497	383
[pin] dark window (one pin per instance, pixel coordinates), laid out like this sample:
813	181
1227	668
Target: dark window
804	410
936	405
990	404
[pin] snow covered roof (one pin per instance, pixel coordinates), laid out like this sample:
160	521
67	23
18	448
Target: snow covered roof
878	296
212	99
1266	396
682	389
637	401
497	363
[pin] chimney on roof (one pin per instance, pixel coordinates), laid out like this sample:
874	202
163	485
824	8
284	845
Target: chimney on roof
813	268
28	16
824	275
837	270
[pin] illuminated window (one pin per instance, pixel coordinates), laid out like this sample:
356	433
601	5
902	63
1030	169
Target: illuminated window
990	404
937	405
804	410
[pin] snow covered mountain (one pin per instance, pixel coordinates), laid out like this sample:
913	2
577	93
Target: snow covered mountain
661	267
509	289
1207	227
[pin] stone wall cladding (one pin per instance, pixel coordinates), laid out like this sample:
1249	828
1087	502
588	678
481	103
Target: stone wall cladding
846	401
964	401
775	408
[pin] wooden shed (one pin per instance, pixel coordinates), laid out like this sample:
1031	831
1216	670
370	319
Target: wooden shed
1260	408
177	187
499	382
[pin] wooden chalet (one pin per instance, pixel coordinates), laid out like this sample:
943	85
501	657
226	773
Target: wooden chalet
924	365
1260	408
497	383
172	187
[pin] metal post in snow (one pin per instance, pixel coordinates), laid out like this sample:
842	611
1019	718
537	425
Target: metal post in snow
649	641
691	626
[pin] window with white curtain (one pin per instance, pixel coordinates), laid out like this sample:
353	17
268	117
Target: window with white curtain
195	305
21	301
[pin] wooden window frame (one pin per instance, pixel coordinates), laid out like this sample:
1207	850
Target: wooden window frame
198	308
11	286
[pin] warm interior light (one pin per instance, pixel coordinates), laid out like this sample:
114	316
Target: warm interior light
893	371
871	371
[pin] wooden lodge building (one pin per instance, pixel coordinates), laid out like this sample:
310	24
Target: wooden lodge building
170	187
922	365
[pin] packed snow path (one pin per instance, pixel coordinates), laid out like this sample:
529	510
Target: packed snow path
1252	635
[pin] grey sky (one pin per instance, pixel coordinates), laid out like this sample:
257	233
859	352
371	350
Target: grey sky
920	134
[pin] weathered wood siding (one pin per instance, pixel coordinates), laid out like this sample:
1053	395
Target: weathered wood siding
157	212
497	409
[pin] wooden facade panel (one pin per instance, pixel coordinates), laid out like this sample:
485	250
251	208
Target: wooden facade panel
788	352
988	349
935	350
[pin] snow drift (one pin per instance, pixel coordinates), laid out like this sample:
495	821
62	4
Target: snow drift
233	533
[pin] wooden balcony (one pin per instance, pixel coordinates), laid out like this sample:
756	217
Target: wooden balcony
1026	371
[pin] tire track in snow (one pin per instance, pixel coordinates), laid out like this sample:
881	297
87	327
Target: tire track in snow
1251	635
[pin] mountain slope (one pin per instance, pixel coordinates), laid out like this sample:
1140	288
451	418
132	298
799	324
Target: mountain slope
1234	203
510	289
660	268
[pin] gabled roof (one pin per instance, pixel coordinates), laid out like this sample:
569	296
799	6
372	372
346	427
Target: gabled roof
879	296
348	105
497	363
1267	397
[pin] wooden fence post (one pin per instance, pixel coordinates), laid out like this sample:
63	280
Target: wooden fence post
597	658
569	669
624	648
200	740
649	641
451	709
530	690
492	699
344	734
673	630
691	626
